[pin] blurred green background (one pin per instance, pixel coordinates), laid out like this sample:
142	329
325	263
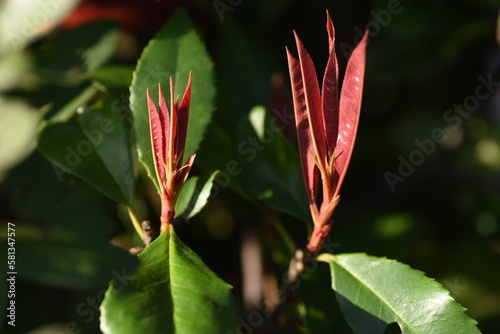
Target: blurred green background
435	206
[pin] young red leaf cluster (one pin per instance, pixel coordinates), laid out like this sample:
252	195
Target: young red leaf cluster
326	126
168	139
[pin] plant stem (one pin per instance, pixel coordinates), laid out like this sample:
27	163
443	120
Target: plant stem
135	222
296	267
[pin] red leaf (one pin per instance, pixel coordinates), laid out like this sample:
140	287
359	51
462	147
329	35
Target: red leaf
313	101
326	127
182	173
168	135
156	132
330	93
331	31
303	130
182	121
350	105
173	130
165	122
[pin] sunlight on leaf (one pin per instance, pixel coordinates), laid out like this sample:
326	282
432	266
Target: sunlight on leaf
374	292
171	285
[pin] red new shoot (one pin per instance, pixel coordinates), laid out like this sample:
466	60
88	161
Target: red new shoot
326	127
168	138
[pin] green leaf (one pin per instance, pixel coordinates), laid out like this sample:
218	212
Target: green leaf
62	67
63	237
270	165
106	122
114	76
95	148
374	292
89	46
194	195
172	292
174	51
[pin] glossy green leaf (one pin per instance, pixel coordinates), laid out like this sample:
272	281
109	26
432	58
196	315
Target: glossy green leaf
173	291
194	195
374	292
270	165
96	148
175	51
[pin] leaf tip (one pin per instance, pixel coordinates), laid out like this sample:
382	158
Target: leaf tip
331	30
